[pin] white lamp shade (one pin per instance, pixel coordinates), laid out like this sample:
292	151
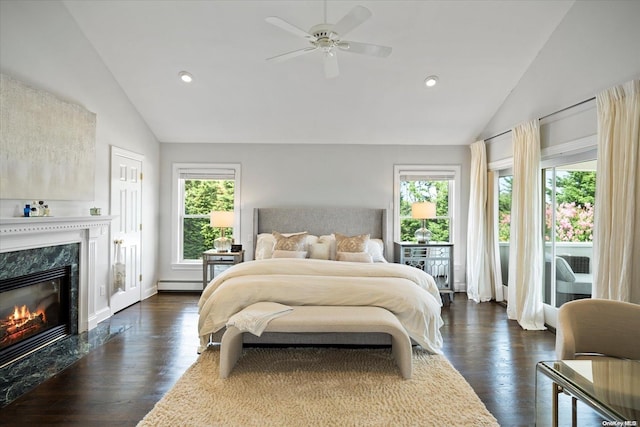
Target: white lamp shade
222	219
423	210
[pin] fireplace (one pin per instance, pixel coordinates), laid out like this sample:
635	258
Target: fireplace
38	298
34	310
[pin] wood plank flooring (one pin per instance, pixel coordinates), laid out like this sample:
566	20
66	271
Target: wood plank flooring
118	383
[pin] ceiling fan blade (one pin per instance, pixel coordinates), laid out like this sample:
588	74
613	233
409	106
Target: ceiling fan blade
331	69
351	20
365	48
281	23
293	54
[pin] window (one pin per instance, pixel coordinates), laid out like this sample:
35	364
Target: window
198	190
426	183
505	182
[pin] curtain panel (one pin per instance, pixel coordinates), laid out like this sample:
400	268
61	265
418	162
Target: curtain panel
478	280
617	215
525	249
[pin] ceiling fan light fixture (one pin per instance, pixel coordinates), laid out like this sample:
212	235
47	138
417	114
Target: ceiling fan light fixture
431	81
185	76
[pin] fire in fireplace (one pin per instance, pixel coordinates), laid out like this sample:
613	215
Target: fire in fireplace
34	310
20	325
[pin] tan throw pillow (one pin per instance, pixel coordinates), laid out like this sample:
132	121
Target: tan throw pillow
354	257
352	244
289	254
289	243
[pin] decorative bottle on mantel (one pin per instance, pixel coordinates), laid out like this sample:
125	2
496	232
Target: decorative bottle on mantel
27	210
34	209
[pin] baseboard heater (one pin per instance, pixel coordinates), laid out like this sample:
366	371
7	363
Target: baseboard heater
180	285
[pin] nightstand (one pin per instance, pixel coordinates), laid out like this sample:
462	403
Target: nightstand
211	258
433	258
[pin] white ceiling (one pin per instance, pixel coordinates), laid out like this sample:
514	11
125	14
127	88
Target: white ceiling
479	49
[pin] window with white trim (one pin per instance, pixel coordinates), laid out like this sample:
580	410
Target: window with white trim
420	183
198	190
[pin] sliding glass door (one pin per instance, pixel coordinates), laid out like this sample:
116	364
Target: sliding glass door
568	231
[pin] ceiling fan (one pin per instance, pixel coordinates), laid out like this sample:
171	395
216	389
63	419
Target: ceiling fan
328	39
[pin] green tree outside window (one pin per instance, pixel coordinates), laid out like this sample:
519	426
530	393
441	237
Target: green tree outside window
201	196
420	191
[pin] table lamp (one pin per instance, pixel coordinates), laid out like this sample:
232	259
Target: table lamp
222	220
422	211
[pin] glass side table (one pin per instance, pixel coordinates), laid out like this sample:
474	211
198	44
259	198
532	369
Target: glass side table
610	387
212	258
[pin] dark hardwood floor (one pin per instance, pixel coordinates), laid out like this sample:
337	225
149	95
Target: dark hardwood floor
119	382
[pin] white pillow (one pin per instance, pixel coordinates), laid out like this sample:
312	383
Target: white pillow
375	248
354	257
278	253
320	250
331	240
264	246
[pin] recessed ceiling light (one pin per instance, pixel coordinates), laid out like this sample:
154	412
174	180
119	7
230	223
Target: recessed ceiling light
431	81
185	76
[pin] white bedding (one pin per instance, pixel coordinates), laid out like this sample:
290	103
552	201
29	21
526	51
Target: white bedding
407	292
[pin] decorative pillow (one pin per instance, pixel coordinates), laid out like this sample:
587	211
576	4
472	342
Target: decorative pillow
278	253
329	239
294	242
564	271
351	244
375	248
354	257
264	246
320	250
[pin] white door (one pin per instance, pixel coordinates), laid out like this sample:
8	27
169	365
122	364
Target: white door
126	227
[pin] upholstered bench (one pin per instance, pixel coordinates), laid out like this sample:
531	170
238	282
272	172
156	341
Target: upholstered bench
327	319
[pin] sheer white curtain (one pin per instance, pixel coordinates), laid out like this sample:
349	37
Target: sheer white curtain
525	249
617	216
478	279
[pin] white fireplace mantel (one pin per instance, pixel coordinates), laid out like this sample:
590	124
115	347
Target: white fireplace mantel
21	233
16	225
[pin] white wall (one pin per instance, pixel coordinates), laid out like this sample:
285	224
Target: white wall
595	47
307	175
41	45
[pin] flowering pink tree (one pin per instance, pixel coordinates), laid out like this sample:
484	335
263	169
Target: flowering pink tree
574	223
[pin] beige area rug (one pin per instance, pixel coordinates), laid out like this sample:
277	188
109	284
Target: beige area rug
320	387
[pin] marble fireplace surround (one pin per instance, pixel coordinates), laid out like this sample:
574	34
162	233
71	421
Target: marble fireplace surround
29	233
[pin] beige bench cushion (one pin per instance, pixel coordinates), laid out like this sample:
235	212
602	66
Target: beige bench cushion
327	319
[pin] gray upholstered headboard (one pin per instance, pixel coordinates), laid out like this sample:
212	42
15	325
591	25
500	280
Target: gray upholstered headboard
321	220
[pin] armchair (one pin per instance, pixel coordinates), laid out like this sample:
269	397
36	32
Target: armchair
598	327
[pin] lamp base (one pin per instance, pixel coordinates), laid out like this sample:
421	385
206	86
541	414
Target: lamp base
423	235
222	244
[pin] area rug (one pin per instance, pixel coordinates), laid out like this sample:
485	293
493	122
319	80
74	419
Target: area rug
320	387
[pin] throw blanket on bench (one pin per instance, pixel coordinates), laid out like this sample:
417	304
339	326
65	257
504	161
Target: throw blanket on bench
407	292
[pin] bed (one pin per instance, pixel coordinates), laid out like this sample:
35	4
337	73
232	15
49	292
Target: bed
409	293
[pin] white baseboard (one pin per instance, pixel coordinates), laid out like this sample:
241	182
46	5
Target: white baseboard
99	316
149	292
178	285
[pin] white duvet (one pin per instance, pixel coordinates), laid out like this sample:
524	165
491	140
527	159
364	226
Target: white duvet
407	292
